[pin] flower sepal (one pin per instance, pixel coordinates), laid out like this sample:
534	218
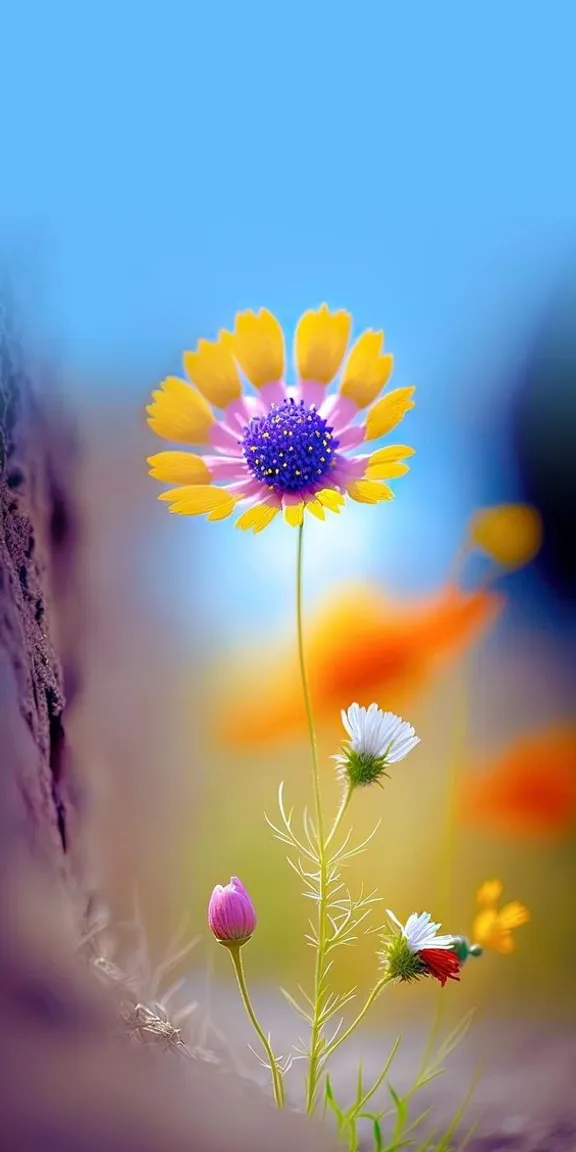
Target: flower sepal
463	949
360	768
398	960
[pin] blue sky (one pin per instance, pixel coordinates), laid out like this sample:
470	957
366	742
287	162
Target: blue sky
166	164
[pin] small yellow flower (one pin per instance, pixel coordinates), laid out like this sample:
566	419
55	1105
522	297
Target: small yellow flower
510	533
493	926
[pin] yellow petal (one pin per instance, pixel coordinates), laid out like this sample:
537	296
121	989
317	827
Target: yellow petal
294	514
386	471
366	371
331	499
315	507
320	343
198	499
258	344
179	468
367	492
212	369
222	512
388	412
486	930
506	944
510	533
180	413
500	941
391	454
513	915
258	517
489	893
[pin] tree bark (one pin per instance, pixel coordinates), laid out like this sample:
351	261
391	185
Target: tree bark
39	576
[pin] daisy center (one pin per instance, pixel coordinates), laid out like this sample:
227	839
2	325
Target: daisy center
290	448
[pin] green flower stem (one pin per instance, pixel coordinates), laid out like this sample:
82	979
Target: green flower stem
306	692
377	989
343	806
277	1080
321	947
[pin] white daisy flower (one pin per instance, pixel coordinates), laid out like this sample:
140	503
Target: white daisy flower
377	739
420	932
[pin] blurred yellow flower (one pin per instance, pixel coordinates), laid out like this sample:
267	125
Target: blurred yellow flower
510	533
493	926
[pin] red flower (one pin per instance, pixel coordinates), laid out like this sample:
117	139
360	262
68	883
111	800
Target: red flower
441	963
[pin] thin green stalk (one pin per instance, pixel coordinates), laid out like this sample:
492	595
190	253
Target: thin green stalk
316	1031
343	806
277	1080
306	690
359	1018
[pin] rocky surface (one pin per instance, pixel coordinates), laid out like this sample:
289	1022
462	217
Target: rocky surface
69	1080
38	564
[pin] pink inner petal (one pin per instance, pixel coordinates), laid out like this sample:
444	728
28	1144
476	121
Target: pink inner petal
227	467
246	489
351	436
338	411
273	393
311	392
339	478
240	412
224	440
350	468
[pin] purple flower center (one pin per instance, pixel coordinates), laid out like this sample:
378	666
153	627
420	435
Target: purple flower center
290	448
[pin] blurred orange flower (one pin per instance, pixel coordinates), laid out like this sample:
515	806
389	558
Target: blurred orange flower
529	790
361	646
493	926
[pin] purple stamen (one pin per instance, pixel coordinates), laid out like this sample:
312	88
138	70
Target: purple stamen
290	448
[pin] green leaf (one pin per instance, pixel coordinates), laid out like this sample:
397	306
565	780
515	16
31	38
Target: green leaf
455	1037
401	1107
427	1143
357	1108
435	1064
377	1132
331	1102
296	1006
446	1140
359	1087
468	1136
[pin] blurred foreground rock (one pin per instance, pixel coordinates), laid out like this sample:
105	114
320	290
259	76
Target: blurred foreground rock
69	1079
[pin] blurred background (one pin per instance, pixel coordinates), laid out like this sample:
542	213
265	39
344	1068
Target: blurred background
173	165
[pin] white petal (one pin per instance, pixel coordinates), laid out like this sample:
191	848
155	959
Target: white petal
394	919
435	942
420	932
379	734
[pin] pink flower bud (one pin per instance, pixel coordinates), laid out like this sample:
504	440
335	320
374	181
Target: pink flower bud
231	913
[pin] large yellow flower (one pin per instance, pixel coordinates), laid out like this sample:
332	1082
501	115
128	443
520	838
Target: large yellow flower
279	448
